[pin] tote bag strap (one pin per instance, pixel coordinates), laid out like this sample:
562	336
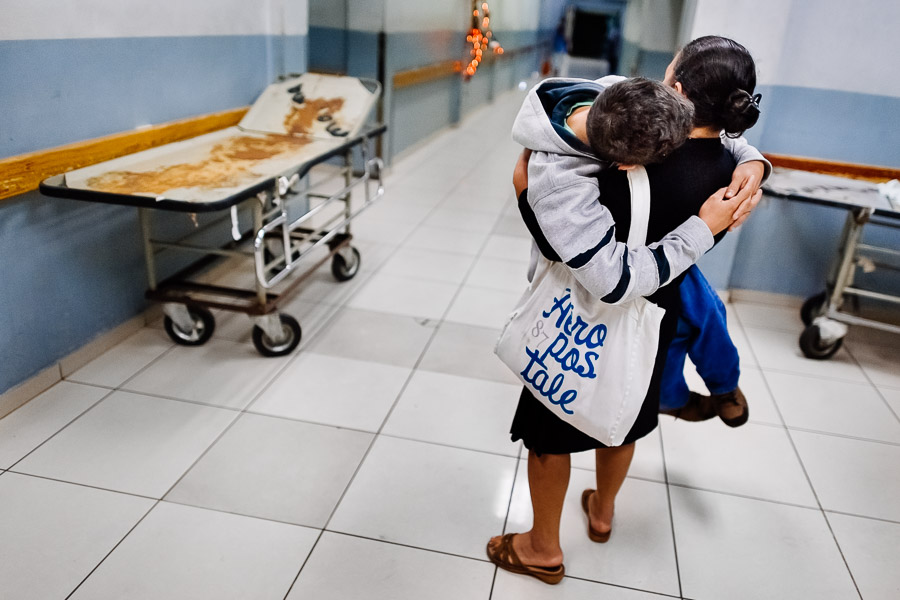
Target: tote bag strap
639	184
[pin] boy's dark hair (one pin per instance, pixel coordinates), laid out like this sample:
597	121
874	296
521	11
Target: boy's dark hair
638	121
719	76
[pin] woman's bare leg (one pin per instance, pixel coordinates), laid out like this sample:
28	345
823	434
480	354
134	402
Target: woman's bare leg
612	467
548	479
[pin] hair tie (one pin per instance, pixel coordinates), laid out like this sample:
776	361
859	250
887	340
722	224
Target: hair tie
752	100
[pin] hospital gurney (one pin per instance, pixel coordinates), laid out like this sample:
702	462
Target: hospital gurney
825	315
261	166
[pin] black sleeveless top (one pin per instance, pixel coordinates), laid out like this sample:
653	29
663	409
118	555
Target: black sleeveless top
678	188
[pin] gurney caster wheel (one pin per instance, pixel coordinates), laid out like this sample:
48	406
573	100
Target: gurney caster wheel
342	269
812	308
292	333
204	325
813	346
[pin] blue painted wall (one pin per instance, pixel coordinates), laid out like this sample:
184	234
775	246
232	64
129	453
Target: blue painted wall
69	90
832	124
789	247
73	270
826	94
328	49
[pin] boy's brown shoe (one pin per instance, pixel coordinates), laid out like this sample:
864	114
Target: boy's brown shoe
698	408
731	407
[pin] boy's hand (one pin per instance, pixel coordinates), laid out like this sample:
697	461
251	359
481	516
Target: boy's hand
520	173
744	186
718	212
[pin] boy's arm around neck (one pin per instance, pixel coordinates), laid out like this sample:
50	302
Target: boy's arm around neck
564	199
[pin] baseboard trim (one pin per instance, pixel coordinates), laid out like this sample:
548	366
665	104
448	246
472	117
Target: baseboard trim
20	395
33	387
98	346
758	297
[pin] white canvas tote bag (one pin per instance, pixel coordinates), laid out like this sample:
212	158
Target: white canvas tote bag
587	361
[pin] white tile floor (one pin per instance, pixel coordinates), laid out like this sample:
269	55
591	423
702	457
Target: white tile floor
375	462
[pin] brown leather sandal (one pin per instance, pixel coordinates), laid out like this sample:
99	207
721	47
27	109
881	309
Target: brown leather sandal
505	557
596	536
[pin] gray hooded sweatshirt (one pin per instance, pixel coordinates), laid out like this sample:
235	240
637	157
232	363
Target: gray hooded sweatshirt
563	194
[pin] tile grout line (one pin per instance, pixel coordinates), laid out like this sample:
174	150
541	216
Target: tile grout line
804	469
113	549
83	485
512	490
251	516
294	356
872	383
662	449
624	587
64	427
821	432
399	394
239	412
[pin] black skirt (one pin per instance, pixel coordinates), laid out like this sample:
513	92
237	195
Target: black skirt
545	433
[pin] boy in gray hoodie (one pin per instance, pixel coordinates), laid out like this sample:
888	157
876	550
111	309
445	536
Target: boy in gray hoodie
569	126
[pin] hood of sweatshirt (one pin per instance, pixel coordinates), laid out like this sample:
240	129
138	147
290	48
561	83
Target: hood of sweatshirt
540	124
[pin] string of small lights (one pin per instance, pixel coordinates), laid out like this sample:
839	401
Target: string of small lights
481	38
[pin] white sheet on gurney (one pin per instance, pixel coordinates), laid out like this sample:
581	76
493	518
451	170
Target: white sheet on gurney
331	102
829	188
275	137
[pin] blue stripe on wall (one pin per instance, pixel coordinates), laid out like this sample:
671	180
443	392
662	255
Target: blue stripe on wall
328	49
343	51
74	89
830	124
77	271
419	111
408	50
788	247
73	270
362	60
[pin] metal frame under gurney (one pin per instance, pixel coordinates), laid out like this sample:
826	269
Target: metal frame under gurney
822	314
279	244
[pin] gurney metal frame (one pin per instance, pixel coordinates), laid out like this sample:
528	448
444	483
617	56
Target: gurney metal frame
825	315
275	245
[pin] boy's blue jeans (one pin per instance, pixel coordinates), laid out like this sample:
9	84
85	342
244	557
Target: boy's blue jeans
703	335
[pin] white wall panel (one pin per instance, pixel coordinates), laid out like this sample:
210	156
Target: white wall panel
365	15
633	21
329	13
760	25
516	15
426	15
660	23
291	17
847	46
66	19
434	15
829	44
653	24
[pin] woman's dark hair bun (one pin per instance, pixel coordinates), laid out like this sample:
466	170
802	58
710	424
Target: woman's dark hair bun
741	112
718	75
